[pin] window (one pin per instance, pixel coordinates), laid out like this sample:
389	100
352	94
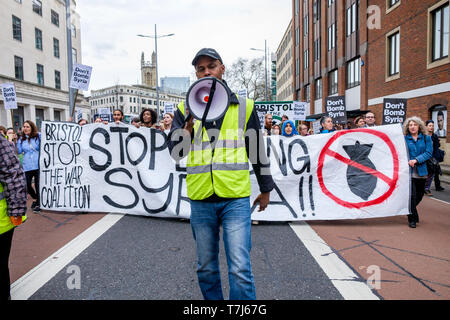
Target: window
297	36
354	73
297	7
318	88
17	28
317	50
307	93
121	99
316	11
37	7
305	25
333	82
440	30
56	47
38	38
305	59
18	67
330	2
40	74
55	18
57	79
332	36
74	31
74	55
352	18
394	54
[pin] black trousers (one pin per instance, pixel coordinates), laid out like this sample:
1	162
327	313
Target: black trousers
5	249
417	192
33	192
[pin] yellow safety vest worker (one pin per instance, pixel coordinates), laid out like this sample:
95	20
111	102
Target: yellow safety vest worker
5	221
222	169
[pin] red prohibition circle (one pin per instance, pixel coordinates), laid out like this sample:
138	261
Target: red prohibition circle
357	205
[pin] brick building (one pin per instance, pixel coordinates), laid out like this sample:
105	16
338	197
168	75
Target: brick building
368	50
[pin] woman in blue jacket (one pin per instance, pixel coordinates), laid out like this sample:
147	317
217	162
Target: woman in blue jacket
420	148
29	144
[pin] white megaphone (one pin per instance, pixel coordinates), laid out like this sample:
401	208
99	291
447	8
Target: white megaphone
208	99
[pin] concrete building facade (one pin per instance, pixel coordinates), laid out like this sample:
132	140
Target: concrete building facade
33	46
131	99
284	84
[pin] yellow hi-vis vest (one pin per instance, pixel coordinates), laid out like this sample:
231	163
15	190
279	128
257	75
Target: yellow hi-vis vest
223	170
5	221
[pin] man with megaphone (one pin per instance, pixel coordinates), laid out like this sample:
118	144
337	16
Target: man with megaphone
217	145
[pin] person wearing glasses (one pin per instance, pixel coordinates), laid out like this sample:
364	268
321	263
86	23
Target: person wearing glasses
370	119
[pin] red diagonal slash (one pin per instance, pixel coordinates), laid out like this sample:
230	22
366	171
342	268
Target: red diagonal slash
392	182
359	166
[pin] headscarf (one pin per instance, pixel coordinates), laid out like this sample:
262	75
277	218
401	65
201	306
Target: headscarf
294	130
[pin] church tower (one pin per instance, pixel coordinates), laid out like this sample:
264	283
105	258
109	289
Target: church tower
148	71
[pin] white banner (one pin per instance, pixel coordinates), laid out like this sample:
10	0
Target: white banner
349	174
9	96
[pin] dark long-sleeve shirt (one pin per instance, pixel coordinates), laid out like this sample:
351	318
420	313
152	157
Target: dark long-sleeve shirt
260	163
12	179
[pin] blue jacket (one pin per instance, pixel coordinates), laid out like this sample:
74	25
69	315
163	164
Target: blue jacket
421	150
30	149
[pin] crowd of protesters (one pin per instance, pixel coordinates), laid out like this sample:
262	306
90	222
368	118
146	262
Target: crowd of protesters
423	146
422	142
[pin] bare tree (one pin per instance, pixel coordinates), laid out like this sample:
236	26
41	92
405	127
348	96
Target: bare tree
245	74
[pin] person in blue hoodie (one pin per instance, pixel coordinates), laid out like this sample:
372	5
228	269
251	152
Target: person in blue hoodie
420	149
288	129
28	145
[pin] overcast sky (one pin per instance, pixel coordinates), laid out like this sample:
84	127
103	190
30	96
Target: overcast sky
111	46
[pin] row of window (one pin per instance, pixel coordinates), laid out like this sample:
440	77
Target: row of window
19	74
17	34
100	102
440	33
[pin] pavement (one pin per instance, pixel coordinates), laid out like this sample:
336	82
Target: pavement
400	263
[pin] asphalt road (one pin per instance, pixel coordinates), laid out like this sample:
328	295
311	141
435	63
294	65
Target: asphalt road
152	258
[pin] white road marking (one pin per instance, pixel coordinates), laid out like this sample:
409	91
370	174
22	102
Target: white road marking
342	277
28	284
440	200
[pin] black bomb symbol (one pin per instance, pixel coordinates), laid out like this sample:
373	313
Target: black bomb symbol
361	183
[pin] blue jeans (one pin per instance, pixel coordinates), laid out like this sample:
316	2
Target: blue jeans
234	216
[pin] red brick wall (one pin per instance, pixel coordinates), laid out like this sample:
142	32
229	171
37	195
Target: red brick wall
412	17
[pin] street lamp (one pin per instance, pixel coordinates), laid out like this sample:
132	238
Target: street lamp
156	61
265	63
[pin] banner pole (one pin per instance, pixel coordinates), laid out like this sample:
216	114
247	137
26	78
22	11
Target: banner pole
74	102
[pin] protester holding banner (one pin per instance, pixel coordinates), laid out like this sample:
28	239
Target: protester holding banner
219	191
289	129
437	155
327	124
420	148
303	130
82	122
359	122
148	118
28	145
268	124
136	122
13	205
370	119
276	130
118	116
168	119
